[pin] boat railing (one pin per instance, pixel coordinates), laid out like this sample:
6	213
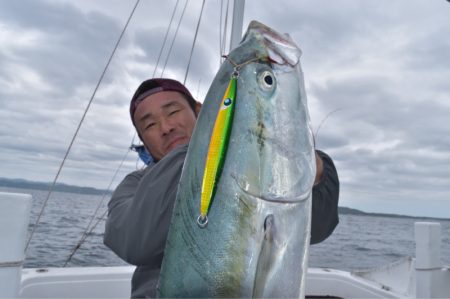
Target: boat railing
421	277
14	217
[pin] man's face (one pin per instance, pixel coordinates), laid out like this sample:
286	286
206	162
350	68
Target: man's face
164	120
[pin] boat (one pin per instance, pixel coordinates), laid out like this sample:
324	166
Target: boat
420	277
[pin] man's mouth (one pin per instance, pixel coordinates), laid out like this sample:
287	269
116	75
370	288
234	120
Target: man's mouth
174	143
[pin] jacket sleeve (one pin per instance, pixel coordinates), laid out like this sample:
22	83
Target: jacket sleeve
140	211
324	218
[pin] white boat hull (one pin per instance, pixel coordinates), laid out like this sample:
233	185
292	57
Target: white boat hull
114	282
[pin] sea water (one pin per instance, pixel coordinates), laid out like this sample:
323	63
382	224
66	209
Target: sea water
358	242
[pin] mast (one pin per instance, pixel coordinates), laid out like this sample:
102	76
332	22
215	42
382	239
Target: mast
238	21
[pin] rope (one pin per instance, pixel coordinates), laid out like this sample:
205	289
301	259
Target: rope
173	40
87	231
165	39
193	43
79	126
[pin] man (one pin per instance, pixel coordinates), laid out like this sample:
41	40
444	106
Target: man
164	114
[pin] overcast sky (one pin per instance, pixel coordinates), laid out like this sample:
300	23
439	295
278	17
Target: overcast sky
381	68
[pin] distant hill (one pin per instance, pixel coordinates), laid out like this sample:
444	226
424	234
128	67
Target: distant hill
24	184
350	211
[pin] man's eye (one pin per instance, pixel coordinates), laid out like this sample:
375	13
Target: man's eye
149	125
173	112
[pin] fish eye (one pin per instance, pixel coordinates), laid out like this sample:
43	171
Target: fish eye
267	80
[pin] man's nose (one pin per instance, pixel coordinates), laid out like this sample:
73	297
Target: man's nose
166	126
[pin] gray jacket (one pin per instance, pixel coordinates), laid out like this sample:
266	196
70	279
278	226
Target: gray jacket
140	211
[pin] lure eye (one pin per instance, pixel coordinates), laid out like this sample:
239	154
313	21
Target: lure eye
226	103
267	80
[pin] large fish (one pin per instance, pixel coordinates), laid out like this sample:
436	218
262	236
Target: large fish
256	240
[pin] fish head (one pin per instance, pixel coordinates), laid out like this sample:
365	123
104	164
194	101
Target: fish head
271	140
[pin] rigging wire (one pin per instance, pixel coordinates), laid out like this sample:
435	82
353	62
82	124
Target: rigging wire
87	231
79	126
193	43
165	38
173	40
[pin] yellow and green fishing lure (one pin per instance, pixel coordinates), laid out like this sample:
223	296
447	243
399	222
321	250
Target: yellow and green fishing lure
217	150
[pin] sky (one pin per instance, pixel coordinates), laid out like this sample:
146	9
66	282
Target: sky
376	75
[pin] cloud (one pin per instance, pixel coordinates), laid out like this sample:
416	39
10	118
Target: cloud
376	78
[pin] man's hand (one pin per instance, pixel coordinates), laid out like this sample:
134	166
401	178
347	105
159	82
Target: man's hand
319	169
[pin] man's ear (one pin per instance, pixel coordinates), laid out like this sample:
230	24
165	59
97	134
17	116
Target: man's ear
198	106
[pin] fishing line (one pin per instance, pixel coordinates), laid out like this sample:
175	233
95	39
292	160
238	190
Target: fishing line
102	217
174	37
79	125
323	121
237	67
193	43
165	38
220	29
88	229
198	88
87	232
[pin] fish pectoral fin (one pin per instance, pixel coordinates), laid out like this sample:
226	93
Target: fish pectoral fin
266	258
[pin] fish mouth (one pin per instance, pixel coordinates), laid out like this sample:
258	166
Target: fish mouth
281	49
272	198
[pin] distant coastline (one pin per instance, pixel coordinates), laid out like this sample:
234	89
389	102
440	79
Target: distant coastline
25	184
350	211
